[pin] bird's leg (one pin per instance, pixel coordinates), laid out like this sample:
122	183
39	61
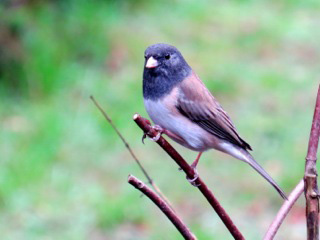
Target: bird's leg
196	175
195	163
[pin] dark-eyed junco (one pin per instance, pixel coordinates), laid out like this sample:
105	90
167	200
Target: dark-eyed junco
182	107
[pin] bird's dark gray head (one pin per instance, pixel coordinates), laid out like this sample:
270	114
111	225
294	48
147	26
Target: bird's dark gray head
164	67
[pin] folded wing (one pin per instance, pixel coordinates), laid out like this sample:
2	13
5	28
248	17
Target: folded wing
198	105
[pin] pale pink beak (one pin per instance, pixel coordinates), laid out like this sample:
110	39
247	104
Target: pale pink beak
151	63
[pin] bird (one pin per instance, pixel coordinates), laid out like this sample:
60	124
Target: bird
182	108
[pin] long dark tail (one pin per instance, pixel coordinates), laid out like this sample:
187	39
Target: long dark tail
253	163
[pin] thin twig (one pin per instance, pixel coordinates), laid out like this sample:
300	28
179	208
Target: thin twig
144	124
150	181
310	176
176	221
284	210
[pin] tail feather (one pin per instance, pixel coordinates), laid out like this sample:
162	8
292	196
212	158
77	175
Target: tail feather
243	155
253	163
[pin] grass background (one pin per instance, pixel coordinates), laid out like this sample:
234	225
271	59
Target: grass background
63	170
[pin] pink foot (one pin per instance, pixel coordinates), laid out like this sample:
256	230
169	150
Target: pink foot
193	180
160	131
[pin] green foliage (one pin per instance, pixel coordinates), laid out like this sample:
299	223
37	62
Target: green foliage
63	170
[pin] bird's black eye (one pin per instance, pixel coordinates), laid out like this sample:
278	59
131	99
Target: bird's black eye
167	56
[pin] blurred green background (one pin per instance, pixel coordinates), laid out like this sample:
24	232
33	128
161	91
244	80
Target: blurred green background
63	170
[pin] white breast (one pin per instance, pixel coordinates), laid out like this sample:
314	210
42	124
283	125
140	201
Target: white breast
194	136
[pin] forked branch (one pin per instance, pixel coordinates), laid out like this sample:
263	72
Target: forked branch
308	185
144	124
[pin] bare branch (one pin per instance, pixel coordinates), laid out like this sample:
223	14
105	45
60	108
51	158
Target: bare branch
310	176
150	181
284	210
144	124
176	221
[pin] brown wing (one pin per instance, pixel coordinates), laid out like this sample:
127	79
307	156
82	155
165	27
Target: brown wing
196	103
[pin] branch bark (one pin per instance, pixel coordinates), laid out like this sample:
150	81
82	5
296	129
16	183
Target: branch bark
176	221
284	210
144	124
310	176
